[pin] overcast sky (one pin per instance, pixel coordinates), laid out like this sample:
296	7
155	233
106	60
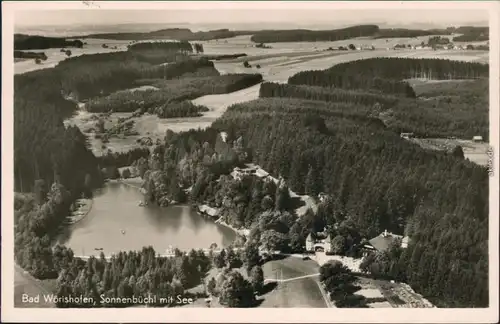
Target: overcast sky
107	16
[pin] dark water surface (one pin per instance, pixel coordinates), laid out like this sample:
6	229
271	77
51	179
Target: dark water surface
115	209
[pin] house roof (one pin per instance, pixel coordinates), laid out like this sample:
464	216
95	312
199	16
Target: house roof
382	243
208	210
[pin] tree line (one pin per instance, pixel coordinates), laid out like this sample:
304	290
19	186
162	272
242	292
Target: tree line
407	68
303	35
352	80
409	33
446	109
285	90
181	34
471	34
169	100
181	46
29	42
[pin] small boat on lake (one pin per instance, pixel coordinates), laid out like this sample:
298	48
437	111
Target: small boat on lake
123	231
98	249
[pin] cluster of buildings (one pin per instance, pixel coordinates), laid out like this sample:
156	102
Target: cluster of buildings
250	170
379	243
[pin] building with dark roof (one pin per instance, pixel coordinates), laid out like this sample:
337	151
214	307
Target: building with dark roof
384	241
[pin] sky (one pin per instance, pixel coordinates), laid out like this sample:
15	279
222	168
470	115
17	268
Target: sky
106	15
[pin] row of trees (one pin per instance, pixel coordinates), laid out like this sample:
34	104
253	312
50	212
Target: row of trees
302	35
38	219
182	34
182	46
284	90
123	159
407	68
29	42
409	33
352	80
130	274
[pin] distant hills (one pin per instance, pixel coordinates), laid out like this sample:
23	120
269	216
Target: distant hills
468	33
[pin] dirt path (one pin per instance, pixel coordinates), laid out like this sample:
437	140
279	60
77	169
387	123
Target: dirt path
290	279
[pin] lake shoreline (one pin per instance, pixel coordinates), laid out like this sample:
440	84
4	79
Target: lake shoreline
130	182
84	209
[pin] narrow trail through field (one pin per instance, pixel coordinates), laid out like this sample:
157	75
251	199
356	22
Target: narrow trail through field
290	279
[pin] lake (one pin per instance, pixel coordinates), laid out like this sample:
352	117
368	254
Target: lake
115	208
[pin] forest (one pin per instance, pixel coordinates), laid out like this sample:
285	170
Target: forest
29	55
29	42
181	34
400	69
304	35
471	34
458	109
313	141
385	184
374	180
456	106
169	100
181	46
55	162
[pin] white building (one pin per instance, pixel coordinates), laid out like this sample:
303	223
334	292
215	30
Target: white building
318	244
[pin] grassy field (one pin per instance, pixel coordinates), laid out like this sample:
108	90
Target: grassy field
302	292
26	284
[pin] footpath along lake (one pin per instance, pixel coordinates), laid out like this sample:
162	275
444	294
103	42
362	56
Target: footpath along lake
116	209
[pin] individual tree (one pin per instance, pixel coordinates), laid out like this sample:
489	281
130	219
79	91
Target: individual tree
251	255
236	291
257	278
274	241
211	287
40	192
352	47
297	239
126	173
458	152
338	245
220	259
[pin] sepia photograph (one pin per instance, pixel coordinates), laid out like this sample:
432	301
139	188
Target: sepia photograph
337	159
